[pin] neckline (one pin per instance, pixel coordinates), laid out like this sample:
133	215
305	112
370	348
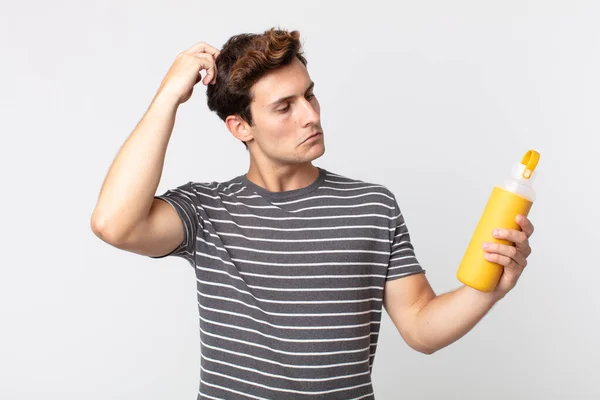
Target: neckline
287	194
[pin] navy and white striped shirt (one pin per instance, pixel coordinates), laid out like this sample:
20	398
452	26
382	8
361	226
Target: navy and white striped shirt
290	284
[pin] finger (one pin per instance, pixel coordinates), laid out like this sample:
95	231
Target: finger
208	64
202	47
507	251
519	238
525	224
505	261
211	76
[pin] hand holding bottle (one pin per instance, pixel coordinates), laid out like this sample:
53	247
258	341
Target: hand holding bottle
513	258
497	268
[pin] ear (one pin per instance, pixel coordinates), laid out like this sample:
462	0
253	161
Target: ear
239	128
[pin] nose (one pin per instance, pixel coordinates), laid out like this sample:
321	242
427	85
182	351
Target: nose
310	114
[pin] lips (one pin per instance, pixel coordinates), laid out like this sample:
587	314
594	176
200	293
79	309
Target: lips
312	136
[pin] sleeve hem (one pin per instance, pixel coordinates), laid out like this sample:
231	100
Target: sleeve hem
394	277
185	234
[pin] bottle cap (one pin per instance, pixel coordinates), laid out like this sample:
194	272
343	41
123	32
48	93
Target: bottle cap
523	171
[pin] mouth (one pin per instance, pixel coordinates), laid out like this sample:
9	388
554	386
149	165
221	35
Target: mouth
312	137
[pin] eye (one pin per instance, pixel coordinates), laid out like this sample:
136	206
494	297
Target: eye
283	110
310	96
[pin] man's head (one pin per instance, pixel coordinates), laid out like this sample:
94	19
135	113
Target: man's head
264	94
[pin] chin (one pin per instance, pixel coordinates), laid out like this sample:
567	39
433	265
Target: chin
320	153
315	153
302	158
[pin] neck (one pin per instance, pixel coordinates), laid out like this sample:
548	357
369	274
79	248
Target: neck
282	177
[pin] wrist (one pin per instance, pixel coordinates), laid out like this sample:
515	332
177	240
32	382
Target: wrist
489	298
166	99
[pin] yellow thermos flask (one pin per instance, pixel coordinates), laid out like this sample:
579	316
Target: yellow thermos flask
515	197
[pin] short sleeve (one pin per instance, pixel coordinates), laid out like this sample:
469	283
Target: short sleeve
403	260
185	201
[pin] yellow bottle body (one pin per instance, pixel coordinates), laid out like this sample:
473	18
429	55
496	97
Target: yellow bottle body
500	212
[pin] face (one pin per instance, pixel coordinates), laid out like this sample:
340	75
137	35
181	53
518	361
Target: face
286	113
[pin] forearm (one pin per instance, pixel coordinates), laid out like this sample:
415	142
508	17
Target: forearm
448	317
131	182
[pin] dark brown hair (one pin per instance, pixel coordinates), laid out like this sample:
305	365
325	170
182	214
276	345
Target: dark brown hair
242	61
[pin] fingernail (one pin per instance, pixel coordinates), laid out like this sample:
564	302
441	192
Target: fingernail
486	245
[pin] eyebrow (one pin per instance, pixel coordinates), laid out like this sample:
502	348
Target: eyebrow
286	98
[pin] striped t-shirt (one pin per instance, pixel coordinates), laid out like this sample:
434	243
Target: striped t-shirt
290	284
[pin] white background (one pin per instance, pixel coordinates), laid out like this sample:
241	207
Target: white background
434	99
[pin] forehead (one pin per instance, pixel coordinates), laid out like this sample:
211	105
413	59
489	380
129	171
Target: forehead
288	80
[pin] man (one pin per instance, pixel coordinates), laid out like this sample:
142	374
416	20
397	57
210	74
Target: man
293	262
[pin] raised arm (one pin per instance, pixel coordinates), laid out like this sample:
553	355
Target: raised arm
127	215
